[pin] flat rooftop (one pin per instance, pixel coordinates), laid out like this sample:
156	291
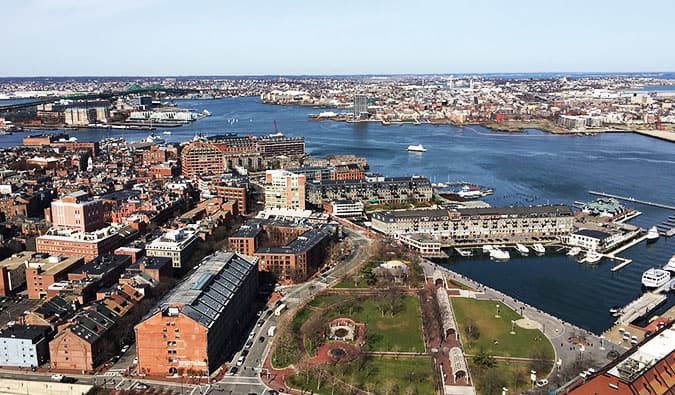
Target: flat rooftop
30	332
53	264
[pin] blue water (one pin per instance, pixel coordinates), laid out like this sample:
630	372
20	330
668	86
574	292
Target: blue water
528	168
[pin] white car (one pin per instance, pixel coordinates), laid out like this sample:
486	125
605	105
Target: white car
125	349
240	361
542	383
58	377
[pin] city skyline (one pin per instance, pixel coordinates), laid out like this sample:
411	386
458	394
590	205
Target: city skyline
154	37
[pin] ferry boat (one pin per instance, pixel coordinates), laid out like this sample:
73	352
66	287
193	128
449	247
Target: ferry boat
522	249
654	278
538	248
593	257
652	234
417	148
499	255
670	266
465	192
574	251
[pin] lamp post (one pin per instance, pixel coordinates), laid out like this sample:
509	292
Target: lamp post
513	327
504	390
533	377
497	315
602	342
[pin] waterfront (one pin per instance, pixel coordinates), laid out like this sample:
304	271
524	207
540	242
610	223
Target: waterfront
524	168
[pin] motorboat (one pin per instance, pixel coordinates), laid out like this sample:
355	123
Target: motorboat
499	255
522	249
154	139
538	248
417	148
487	248
592	257
652	234
167	132
615	310
574	251
670	266
654	278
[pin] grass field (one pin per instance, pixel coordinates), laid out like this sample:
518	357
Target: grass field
378	375
494	332
513	375
401	332
325	300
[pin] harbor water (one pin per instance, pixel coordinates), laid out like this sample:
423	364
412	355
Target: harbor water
525	168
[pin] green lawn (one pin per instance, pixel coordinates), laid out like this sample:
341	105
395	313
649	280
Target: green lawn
401	332
300	318
325	300
378	375
494	332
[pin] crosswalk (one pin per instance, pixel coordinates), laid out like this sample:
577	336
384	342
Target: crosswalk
114	373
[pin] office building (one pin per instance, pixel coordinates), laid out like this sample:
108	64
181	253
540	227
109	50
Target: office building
284	189
85	244
176	244
43	270
24	345
360	106
77	211
201	321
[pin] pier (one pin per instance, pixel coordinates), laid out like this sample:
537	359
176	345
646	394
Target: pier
641	307
631	199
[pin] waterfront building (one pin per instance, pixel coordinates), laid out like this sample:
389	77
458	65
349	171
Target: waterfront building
176	244
345	208
593	240
77	211
84	244
43	270
360	106
199	323
374	190
284	189
199	158
477	224
644	369
24	345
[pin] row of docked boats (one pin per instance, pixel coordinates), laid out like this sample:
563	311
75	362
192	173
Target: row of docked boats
500	254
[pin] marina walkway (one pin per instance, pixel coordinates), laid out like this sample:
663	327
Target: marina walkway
632	199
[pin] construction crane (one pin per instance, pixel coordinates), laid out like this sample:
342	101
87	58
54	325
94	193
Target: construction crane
659	126
276	129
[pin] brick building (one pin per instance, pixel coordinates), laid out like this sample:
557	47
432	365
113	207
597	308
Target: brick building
43	270
76	211
284	189
88	245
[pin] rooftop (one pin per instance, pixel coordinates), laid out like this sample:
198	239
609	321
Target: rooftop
52	264
103	264
30	332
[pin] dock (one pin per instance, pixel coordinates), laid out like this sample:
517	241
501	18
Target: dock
632	199
667	227
640	307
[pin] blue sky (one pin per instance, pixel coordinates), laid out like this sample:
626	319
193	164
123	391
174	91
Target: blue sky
162	37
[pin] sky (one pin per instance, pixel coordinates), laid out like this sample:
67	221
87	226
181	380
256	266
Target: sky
291	37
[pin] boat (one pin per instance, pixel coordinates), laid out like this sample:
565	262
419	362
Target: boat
487	248
670	266
592	257
465	192
652	234
522	249
417	148
155	139
574	251
499	255
206	113
168	133
462	252
615	310
654	278
538	248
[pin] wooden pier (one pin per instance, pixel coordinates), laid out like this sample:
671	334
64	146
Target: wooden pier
640	307
632	199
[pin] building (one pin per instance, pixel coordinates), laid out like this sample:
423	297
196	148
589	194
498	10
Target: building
345	208
199	158
644	369
80	116
85	244
176	244
245	239
593	240
200	322
232	191
360	106
284	189
77	211
24	345
43	270
377	190
53	312
13	272
478	224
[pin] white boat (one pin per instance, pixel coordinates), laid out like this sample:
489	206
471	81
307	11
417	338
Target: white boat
206	113
654	278
168	133
522	249
670	266
574	251
538	248
652	234
592	257
499	255
155	139
487	248
417	148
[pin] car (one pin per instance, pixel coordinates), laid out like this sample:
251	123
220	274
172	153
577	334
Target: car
591	370
583	375
278	303
125	349
244	352
249	344
241	360
261	323
141	386
268	313
542	383
251	335
272	392
58	377
135	362
261	339
233	370
259	313
69	380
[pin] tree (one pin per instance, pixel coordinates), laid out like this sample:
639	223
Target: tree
389	386
539	362
491	381
483	359
471	329
394	298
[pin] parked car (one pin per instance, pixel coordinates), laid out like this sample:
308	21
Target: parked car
233	370
261	339
249	344
58	377
240	361
542	383
244	352
141	386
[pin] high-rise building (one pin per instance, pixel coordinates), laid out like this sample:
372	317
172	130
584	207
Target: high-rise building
77	211
284	189
360	105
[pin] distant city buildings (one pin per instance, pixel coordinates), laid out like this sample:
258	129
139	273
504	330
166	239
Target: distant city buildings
360	106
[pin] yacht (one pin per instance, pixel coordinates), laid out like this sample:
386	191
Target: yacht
522	249
166	132
670	266
499	255
538	248
574	251
487	248
593	257
652	234
155	139
654	278
417	148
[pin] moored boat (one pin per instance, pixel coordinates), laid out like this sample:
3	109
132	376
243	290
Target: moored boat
499	255
654	278
652	234
522	249
592	257
538	248
574	251
417	148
